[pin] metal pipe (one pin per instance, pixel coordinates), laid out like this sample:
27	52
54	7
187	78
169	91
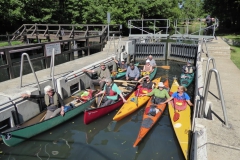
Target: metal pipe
207	69
52	70
9	100
220	91
21	70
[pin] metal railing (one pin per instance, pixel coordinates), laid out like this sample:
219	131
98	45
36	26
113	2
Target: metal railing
219	87
21	70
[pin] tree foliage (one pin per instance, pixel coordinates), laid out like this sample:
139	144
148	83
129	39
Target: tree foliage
16	12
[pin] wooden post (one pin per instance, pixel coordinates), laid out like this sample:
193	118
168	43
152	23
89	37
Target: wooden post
9	62
9	41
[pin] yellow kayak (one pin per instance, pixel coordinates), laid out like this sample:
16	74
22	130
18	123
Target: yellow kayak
130	106
182	126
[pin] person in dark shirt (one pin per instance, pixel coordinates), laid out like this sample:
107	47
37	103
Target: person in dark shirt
52	100
146	82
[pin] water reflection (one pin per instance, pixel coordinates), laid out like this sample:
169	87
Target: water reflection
103	139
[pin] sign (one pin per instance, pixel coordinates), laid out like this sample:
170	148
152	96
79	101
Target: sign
49	48
108	17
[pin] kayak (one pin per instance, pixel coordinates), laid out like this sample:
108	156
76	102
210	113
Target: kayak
186	79
122	74
148	120
133	103
182	127
91	114
37	125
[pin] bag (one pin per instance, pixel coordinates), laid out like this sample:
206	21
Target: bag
151	110
67	108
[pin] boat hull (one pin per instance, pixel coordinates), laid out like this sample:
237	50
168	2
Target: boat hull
182	127
149	121
16	135
130	106
186	79
93	114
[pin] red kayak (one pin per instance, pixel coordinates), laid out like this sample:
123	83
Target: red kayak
92	114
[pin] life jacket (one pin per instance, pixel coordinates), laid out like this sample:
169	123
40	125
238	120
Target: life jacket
145	73
180	104
87	95
189	69
147	68
120	70
109	91
142	90
55	99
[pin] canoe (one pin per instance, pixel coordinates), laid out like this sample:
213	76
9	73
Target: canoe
122	74
182	127
95	113
33	126
130	106
186	79
149	121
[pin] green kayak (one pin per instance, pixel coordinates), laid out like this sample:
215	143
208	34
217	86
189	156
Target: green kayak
186	79
36	126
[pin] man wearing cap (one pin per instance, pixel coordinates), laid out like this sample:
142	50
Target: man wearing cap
122	66
147	68
160	94
132	72
102	73
152	61
188	69
111	92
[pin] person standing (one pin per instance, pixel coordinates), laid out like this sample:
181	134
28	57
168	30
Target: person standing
132	72
52	100
102	73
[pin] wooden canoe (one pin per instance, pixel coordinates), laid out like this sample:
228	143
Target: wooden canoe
34	126
130	106
91	114
182	127
149	121
186	79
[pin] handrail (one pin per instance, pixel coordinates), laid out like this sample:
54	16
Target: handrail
21	70
219	91
14	104
52	65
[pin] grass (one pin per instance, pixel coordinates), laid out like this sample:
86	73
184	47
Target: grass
233	37
235	55
14	43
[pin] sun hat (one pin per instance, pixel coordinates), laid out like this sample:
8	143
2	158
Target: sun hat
160	84
147	61
122	60
189	62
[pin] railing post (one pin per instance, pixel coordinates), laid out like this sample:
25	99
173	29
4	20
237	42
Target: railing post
21	69
207	83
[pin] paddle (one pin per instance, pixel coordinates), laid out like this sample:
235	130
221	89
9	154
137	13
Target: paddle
124	81
100	100
164	67
176	114
43	118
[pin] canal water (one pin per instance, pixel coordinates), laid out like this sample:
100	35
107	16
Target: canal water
104	139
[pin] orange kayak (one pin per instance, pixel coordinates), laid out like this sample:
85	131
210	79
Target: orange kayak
149	121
